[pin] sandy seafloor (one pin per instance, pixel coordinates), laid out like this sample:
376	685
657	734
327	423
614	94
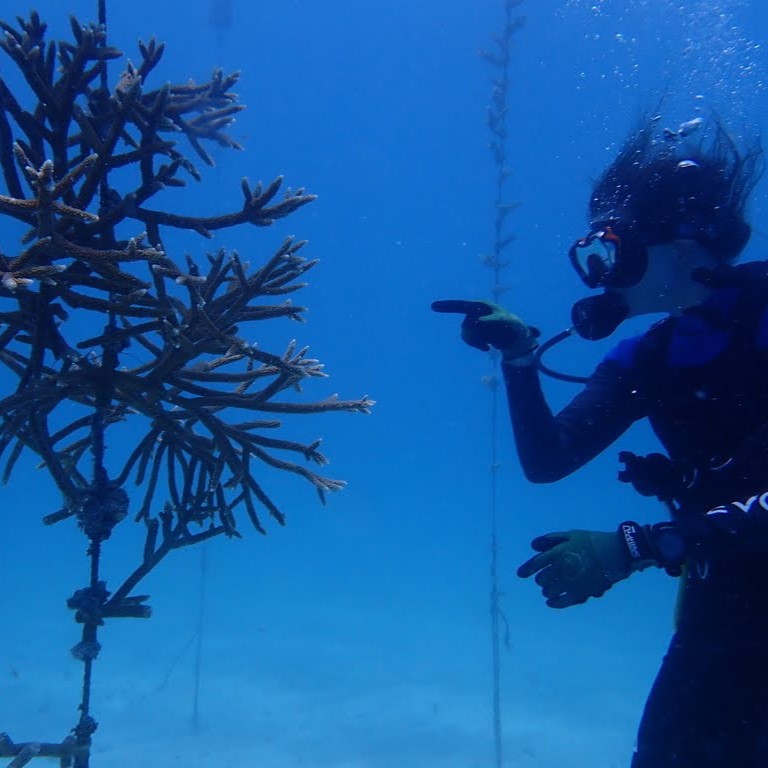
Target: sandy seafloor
348	682
358	636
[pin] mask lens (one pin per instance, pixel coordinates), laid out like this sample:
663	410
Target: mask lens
595	257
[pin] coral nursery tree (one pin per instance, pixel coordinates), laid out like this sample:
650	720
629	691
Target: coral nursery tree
81	160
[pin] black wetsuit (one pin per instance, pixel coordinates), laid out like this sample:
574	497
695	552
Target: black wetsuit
702	381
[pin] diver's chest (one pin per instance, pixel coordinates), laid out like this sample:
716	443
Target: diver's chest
727	392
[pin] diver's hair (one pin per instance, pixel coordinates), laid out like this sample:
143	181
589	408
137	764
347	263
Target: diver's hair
669	187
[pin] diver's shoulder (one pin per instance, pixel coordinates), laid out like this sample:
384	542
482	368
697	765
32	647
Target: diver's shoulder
747	275
735	289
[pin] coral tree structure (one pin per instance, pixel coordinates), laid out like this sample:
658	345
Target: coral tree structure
81	161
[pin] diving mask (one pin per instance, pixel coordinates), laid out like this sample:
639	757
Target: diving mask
609	257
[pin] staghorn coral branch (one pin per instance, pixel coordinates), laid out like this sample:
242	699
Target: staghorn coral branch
247	376
25	53
255	211
176	537
331	403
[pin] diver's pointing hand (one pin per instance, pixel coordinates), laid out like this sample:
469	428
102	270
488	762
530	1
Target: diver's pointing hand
487	325
463	307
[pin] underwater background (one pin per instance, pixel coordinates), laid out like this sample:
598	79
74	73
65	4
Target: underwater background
358	636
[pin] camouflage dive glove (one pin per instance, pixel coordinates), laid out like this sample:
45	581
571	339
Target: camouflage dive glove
487	325
573	566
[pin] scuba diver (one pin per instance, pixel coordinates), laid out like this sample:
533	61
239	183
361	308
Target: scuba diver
667	221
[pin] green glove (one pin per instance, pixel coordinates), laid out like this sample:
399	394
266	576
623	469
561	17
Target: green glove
575	565
488	325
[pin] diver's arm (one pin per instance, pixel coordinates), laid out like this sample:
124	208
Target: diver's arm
729	530
572	566
551	447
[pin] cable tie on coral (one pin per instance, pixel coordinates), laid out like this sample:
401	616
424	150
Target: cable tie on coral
86	650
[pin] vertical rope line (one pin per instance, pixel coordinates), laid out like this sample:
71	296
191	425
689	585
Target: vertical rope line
494	574
103	23
90	631
499	58
199	638
103	85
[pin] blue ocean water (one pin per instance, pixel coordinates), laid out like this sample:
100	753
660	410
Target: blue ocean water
358	636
